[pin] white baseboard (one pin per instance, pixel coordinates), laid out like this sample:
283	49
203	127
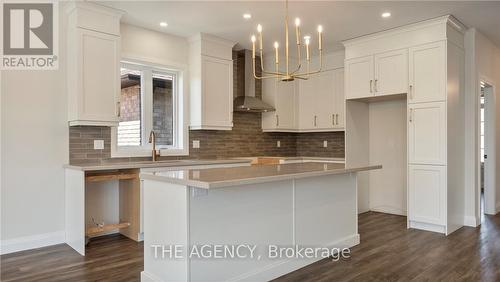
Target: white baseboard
389	210
428	227
32	242
471	221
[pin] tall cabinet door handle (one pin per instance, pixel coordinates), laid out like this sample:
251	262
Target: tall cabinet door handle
376	87
315	118
371	85
277	120
337	116
333	119
118	109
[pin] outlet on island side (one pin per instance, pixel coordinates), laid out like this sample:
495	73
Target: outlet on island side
278	144
325	144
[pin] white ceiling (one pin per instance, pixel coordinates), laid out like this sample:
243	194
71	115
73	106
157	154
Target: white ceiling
340	20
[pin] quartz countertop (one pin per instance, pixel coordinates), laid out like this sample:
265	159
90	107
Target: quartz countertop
151	164
223	177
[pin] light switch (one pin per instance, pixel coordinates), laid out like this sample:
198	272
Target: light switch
98	144
325	144
278	143
196	144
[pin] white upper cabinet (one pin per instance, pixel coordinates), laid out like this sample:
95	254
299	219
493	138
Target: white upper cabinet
427	133
428	73
211	79
377	75
93	79
359	77
391	73
321	102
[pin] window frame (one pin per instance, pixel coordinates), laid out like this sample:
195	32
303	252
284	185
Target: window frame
180	146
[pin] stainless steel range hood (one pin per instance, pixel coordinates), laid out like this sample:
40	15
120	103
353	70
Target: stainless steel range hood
249	103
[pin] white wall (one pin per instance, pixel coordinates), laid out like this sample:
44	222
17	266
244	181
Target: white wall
482	62
154	47
34	146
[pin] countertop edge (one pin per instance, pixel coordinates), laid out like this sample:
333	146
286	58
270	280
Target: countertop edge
257	180
159	164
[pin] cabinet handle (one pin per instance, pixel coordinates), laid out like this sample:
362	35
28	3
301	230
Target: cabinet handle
277	120
371	85
118	106
411	115
315	118
333	119
411	92
337	115
376	81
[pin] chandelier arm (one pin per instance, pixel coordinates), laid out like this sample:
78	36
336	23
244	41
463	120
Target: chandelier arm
316	71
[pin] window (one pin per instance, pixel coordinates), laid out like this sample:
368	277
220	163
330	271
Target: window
150	100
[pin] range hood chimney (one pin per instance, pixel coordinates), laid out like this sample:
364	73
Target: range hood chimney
248	102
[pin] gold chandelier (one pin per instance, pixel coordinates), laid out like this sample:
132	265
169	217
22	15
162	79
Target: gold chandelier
288	75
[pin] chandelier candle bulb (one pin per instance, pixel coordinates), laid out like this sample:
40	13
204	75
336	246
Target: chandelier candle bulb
297	30
308	57
320	37
259	30
253	46
276	45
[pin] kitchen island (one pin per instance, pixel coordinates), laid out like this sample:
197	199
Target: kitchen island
262	207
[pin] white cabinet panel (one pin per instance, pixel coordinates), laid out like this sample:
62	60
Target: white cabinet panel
94	78
339	99
391	73
427	194
428	73
325	100
217	92
427	133
285	105
359	78
307	103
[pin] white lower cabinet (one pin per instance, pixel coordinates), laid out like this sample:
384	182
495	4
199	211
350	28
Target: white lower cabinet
427	133
427	195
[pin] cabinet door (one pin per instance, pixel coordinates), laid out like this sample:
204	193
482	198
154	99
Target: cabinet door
285	105
324	99
217	92
391	73
427	194
307	103
427	133
359	78
339	99
269	92
428	73
99	80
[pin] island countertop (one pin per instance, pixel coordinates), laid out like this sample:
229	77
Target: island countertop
223	177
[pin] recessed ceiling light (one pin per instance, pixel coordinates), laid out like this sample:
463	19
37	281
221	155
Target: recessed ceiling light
163	24
386	15
247	16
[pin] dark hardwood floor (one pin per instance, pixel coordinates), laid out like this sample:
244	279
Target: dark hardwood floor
388	252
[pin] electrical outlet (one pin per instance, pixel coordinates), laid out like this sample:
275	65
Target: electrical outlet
98	144
325	144
196	144
278	143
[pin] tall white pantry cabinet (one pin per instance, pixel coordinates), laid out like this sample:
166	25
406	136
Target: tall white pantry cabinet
424	64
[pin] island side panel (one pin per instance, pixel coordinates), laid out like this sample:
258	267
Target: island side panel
74	182
326	212
166	213
256	214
